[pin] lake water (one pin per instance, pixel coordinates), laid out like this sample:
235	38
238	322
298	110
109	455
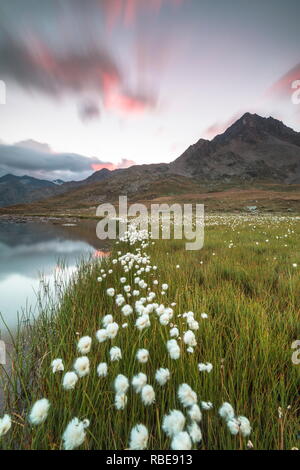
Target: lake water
32	253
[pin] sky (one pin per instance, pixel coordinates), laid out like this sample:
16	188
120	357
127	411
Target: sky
111	83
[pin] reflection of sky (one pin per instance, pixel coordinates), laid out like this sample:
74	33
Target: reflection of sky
23	265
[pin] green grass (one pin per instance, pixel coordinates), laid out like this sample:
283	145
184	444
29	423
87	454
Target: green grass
251	293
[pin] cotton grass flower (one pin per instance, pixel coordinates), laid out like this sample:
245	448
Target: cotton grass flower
148	395
84	345
173	349
121	384
195	433
69	381
186	395
181	441
110	292
139	381
75	434
245	427
173	423
143	322
233	426
120	401
101	335
39	412
139	437
5	425
206	405
57	366
102	369
207	367
107	320
127	310
226	411
82	366
189	338
115	354
142	356
194	413
162	376
174	332
112	330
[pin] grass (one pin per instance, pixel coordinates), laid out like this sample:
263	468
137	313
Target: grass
243	279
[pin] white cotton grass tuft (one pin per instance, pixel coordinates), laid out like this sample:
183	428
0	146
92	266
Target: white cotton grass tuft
142	356
57	366
174	332
186	395
115	354
181	441
173	349
148	395
107	320
139	437
121	384
101	335
84	345
127	310
162	376
173	423
39	412
195	432
205	367
206	405
120	401
112	330
233	426
245	427
139	381
226	411
69	381
82	366
102	369
194	413
75	434
110	292
189	338
5	425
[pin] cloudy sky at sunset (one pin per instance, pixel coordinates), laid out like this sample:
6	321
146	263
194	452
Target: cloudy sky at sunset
124	81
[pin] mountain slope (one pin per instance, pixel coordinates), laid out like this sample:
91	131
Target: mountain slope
253	148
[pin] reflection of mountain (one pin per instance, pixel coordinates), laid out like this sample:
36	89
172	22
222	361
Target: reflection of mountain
31	248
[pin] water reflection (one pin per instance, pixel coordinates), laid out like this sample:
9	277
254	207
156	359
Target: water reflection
33	251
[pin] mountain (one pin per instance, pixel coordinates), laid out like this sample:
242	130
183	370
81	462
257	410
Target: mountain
253	151
58	182
253	148
23	189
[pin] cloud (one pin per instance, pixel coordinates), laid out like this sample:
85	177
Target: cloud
35	159
219	127
124	163
59	48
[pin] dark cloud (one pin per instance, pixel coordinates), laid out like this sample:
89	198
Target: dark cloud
35	159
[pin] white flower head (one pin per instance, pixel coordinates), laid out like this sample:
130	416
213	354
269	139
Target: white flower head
143	322
120	401
69	381
75	434
127	310
173	423
226	411
139	437
57	365
121	384
5	425
101	335
233	426
162	376
112	330
107	320
39	412
139	381
148	395
82	366
102	369
195	432
115	354
189	338
181	441
245	427
205	367
84	345
186	395
173	349
206	405
110	292
194	413
142	356
174	332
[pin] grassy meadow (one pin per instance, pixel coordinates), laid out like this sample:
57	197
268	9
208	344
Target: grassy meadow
246	279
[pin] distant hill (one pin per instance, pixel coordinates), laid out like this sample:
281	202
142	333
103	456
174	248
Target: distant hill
253	150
